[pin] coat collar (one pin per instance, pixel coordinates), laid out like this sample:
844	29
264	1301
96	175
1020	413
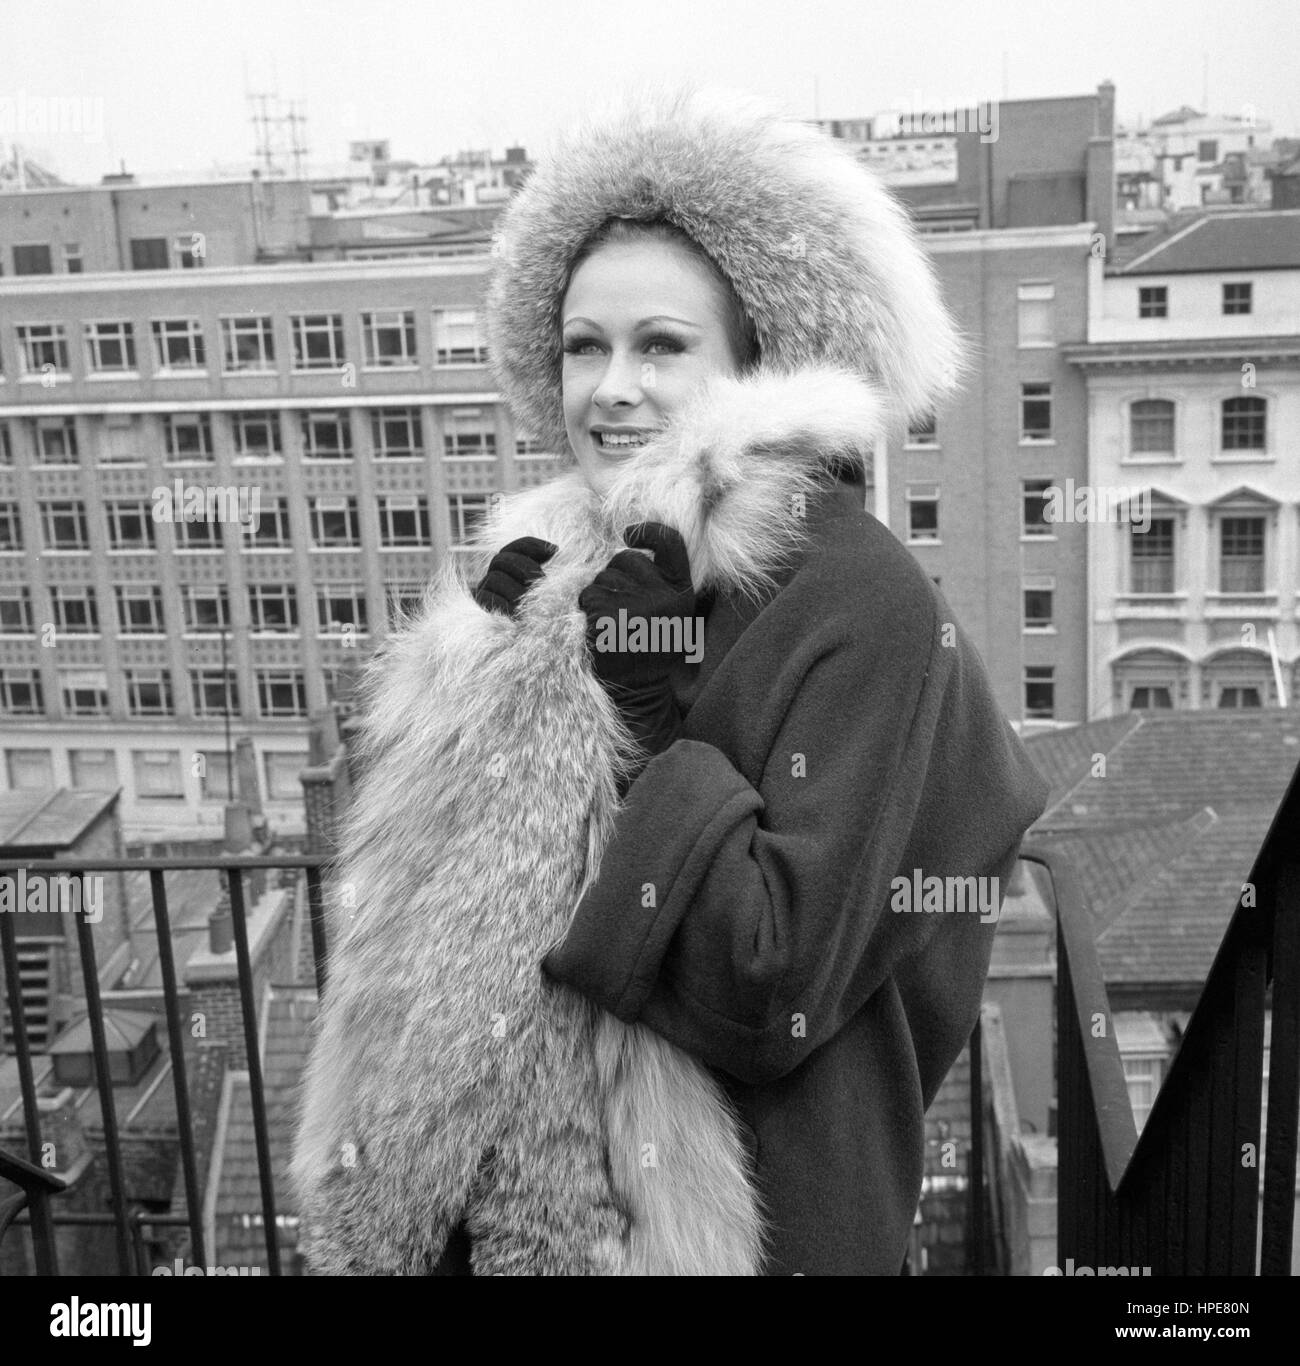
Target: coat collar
733	473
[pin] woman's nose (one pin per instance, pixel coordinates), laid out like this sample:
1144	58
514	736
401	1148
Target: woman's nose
622	383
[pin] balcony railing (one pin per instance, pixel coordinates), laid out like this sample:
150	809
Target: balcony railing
1184	1198
39	1188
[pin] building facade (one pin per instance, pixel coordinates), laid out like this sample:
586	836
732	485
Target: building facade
1191	368
219	486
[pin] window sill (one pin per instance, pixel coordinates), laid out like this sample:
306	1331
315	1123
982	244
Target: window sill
327	459
259	373
133	550
921	446
405	367
258	460
180	374
111	376
1243	458
933	540
122	464
335	369
51	465
1033	540
459	364
58	377
331	549
1037	441
1039	630
1151	458
1036	346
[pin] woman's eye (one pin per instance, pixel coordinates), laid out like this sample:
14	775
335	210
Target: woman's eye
578	346
670	343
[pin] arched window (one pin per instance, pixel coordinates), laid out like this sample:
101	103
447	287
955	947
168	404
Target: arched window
1151	427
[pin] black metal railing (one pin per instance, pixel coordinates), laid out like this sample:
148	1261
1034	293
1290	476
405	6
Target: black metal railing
1184	1197
127	1224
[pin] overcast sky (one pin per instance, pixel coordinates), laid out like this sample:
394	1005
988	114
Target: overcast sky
163	83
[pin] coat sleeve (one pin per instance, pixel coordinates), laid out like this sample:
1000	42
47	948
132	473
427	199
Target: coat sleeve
748	925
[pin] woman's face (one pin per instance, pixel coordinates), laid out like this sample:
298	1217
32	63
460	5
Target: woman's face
643	324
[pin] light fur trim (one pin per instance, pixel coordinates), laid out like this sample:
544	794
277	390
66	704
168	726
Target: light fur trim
823	258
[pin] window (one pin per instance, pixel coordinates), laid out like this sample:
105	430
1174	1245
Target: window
197	536
75	613
272	529
334	523
11	527
190	249
178	343
1245	424
1142	1076
1239	697
110	348
456	337
157	773
119	446
139	609
30	770
84	692
317	341
283	776
396	434
33	258
188	438
273	608
1207	149
1151	697
467	511
1040	692
1035	305
149	253
72	262
341	610
15	610
1035	506
1035	411
1237	297
1153	301
469	435
389	338
63	526
212	692
149	693
921	432
130	526
206	609
55	440
1151	427
20	694
401	601
922	512
257	436
247	344
42	345
403	521
6	449
1241	555
326	435
215	778
1151	557
93	770
281	692
1037	596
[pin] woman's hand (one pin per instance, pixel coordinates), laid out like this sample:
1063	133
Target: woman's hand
639	618
513	571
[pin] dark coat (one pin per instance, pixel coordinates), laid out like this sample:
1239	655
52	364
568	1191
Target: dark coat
838	734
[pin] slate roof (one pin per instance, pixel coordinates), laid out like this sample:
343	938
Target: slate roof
48	821
1255	239
1163	839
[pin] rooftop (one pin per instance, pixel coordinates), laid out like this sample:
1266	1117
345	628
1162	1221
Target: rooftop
1252	239
32	822
1164	834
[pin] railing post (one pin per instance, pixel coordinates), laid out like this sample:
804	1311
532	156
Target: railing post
1283	1077
975	1174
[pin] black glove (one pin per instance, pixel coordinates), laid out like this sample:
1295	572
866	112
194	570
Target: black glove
632	588
513	570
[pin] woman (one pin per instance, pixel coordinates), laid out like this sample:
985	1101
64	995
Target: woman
677	748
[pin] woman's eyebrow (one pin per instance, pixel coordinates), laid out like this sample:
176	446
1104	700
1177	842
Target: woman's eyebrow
645	322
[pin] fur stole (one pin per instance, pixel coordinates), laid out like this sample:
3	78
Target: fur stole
450	1079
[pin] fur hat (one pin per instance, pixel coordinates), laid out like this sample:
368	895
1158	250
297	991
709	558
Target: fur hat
823	259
